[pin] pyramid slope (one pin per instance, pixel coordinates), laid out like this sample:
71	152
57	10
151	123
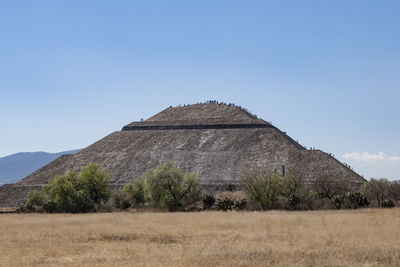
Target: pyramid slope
215	155
218	156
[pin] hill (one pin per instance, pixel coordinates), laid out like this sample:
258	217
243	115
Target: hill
17	166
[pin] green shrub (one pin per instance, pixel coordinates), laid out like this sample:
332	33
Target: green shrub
378	189
225	204
136	192
34	199
293	183
49	206
82	202
62	191
72	192
309	200
264	186
94	184
208	201
387	203
240	205
350	200
294	200
339	200
121	199
357	200
171	188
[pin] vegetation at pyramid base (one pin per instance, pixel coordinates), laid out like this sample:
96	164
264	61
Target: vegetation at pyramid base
263	186
165	186
226	204
383	191
208	201
136	191
73	192
267	187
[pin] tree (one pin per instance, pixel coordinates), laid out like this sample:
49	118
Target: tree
61	191
292	183
263	186
135	191
170	187
357	200
339	200
293	186
329	187
208	201
378	189
94	183
34	199
121	199
72	192
394	191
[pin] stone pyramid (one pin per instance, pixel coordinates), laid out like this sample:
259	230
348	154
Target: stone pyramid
219	142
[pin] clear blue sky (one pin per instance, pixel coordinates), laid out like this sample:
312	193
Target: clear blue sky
326	72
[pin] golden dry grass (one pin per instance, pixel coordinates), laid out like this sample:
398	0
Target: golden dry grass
330	238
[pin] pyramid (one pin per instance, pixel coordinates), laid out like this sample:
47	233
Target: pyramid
218	142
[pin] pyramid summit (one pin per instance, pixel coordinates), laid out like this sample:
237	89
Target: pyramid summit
210	114
217	141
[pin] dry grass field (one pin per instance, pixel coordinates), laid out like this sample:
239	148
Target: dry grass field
330	238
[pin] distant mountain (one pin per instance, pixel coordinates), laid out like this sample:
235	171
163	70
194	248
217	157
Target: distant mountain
17	166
